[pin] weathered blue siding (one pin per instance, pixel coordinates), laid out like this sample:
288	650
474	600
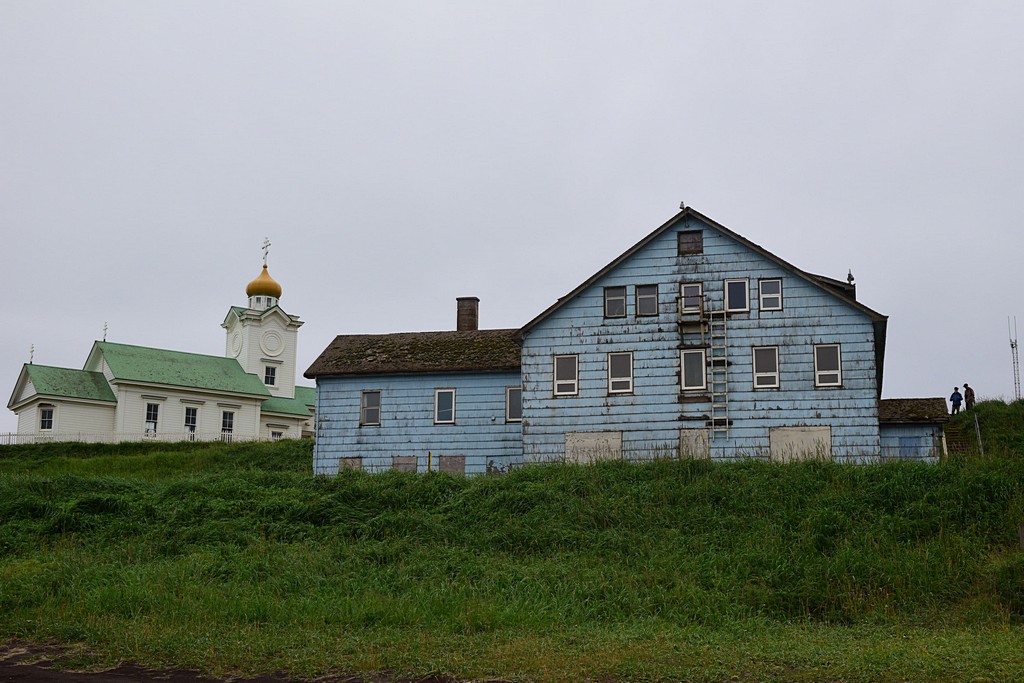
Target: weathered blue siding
911	442
651	418
480	433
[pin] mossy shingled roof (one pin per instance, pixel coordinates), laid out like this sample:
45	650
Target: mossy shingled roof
69	383
180	369
912	410
417	352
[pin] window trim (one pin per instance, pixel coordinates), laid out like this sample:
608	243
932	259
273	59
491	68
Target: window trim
227	424
689	252
746	298
270	373
609	297
152	418
437	393
363	422
682	370
761	296
575	381
508	404
638	296
683	308
190	429
755	374
628	379
837	372
52	410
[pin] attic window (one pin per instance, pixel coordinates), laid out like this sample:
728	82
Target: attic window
615	302
737	298
770	295
691	242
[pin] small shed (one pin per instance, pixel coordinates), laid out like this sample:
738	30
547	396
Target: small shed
912	428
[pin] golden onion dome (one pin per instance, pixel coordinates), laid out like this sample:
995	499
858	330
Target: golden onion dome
264	285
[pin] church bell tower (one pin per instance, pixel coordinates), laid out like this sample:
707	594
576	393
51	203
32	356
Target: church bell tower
262	336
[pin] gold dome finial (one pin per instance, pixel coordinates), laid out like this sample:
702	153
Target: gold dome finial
264	285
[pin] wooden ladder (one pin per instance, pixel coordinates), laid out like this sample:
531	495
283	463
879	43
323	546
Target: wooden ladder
718	382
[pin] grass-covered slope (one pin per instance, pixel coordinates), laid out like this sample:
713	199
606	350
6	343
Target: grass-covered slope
235	558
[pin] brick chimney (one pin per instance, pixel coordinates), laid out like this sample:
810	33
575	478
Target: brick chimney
468	318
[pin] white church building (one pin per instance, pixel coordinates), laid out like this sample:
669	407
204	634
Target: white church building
134	393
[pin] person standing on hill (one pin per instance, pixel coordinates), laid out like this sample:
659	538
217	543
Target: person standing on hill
956	399
968	396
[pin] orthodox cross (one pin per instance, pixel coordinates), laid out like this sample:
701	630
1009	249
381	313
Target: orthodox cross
31	353
104	330
266	248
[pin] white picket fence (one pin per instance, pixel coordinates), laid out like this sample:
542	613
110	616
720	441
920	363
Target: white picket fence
12	439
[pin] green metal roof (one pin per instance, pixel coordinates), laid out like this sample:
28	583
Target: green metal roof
180	369
306	394
68	383
304	397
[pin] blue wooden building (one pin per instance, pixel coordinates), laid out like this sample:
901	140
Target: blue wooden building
695	342
447	401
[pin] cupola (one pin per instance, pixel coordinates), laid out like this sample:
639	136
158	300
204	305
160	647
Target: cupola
264	291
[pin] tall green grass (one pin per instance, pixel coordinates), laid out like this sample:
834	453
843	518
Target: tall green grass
236	558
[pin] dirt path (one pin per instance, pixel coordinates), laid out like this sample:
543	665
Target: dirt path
26	663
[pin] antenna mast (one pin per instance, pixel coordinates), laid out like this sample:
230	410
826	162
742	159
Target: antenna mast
1016	360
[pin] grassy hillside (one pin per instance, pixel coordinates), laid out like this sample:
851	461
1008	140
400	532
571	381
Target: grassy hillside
235	558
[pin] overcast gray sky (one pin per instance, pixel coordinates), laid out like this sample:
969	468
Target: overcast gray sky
401	154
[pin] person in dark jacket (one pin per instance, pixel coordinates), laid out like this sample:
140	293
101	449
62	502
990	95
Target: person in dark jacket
956	399
968	396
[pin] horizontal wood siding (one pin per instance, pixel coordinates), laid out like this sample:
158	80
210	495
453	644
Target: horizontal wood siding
652	416
911	441
407	427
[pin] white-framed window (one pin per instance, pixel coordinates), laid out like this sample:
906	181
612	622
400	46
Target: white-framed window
646	300
513	404
737	296
693	363
269	375
566	375
45	418
276	436
690	297
152	417
769	295
766	367
369	408
444	406
615	302
620	373
828	366
227	425
191	422
691	242
259	300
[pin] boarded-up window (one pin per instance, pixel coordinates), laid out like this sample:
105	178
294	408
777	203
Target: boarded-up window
350	463
584	447
452	464
800	443
693	443
403	463
691	242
